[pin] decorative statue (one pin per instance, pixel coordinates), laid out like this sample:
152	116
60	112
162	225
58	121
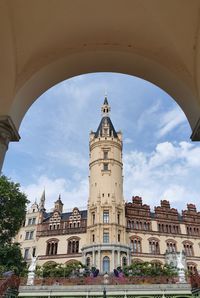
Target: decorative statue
31	271
33	264
181	268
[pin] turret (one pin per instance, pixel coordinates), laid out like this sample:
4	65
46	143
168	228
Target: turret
58	205
106	212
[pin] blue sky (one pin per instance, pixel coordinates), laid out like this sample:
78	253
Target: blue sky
160	161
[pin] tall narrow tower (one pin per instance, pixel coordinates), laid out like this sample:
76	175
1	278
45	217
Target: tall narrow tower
106	247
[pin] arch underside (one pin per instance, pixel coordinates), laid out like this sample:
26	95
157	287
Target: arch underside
154	40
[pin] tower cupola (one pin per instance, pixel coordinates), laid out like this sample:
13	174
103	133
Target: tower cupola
59	205
105	109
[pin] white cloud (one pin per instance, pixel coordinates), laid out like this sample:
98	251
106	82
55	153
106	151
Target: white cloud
127	141
71	195
68	158
170	120
170	172
148	115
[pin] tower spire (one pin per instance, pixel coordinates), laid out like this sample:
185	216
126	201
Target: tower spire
42	201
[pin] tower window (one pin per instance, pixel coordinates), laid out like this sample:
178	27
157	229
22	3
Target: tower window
105	155
118	218
105	216
105	237
93	218
105	166
93	238
118	237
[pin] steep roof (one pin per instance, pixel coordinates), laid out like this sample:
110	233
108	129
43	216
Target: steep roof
65	216
112	131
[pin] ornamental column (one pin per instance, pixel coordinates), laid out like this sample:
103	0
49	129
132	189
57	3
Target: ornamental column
118	258
113	259
8	133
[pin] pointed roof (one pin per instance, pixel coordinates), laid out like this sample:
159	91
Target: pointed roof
42	201
59	200
105	101
106	123
105	120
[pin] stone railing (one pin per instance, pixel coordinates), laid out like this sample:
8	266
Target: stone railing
99	280
61	231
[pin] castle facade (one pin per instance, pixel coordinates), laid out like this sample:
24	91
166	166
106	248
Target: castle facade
111	232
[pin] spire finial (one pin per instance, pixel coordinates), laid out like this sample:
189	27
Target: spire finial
105	109
42	201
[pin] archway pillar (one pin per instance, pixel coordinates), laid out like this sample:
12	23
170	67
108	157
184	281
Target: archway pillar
8	133
196	132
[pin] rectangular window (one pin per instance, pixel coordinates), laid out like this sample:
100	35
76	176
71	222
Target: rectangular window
34	250
105	216
105	155
118	237
93	218
93	238
118	218
29	235
105	237
26	253
105	166
31	221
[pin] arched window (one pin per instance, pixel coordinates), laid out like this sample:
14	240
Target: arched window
154	246
156	263
106	264
73	245
171	245
133	261
188	248
136	244
192	267
52	247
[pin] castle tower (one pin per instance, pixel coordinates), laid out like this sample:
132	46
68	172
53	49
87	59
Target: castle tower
106	247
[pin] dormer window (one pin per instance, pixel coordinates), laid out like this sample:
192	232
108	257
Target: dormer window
105	131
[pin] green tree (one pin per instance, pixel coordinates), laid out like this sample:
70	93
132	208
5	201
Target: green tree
12	209
12	214
11	259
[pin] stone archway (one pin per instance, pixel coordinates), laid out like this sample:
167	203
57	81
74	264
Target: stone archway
153	40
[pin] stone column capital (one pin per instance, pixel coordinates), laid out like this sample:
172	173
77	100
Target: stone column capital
8	131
